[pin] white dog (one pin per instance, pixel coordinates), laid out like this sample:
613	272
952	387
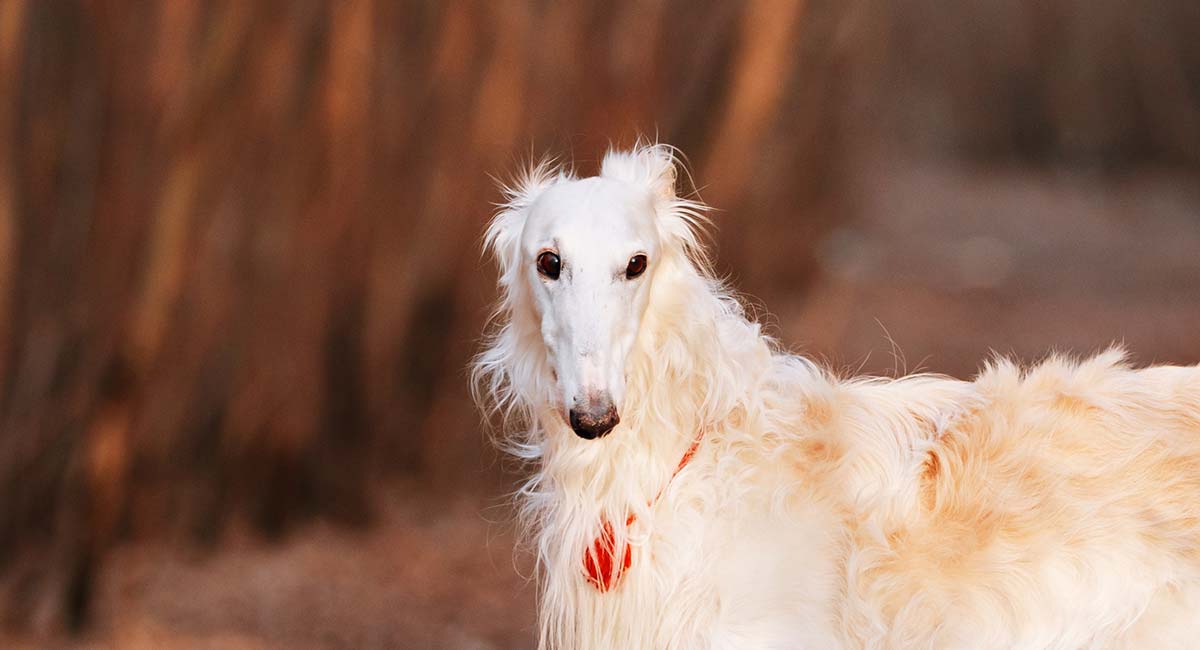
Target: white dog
694	487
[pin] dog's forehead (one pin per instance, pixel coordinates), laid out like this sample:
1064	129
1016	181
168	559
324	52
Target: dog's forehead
589	211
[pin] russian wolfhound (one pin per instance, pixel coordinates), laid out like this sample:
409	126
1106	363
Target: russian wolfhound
694	487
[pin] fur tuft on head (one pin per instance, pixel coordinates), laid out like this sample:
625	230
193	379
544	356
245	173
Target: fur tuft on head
648	165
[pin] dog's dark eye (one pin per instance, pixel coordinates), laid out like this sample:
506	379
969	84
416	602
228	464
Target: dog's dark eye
549	265
637	266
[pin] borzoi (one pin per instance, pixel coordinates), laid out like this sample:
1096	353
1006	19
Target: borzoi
694	487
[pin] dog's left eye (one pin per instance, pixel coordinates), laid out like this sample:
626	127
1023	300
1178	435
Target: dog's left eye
549	265
637	266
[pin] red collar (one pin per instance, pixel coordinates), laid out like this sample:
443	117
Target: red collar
600	565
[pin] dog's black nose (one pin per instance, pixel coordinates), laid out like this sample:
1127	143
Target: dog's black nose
594	421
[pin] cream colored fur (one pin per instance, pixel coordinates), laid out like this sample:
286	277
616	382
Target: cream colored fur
1056	506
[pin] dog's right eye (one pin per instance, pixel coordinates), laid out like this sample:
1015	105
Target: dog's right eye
549	265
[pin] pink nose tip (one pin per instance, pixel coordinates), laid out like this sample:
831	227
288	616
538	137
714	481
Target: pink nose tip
594	419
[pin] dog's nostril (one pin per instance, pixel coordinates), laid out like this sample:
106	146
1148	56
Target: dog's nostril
593	424
578	426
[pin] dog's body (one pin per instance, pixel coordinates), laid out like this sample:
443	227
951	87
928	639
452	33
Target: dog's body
1056	507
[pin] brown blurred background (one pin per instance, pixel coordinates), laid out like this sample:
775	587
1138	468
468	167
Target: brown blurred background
240	274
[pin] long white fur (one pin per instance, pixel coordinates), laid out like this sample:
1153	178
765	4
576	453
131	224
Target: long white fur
1050	507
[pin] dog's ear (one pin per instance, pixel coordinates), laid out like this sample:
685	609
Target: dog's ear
504	232
656	167
650	165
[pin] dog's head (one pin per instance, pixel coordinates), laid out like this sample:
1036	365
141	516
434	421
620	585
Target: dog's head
578	259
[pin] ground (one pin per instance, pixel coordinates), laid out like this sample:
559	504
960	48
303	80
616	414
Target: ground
432	573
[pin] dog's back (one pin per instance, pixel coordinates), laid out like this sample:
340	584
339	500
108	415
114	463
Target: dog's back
1062	509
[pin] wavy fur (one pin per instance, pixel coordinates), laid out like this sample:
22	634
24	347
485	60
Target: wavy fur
1050	507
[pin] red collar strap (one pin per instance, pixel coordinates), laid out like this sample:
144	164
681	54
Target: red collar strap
600	564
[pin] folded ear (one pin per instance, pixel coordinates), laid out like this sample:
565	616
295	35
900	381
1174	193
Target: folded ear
649	165
503	237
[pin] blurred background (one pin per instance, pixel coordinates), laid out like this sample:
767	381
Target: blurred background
240	268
